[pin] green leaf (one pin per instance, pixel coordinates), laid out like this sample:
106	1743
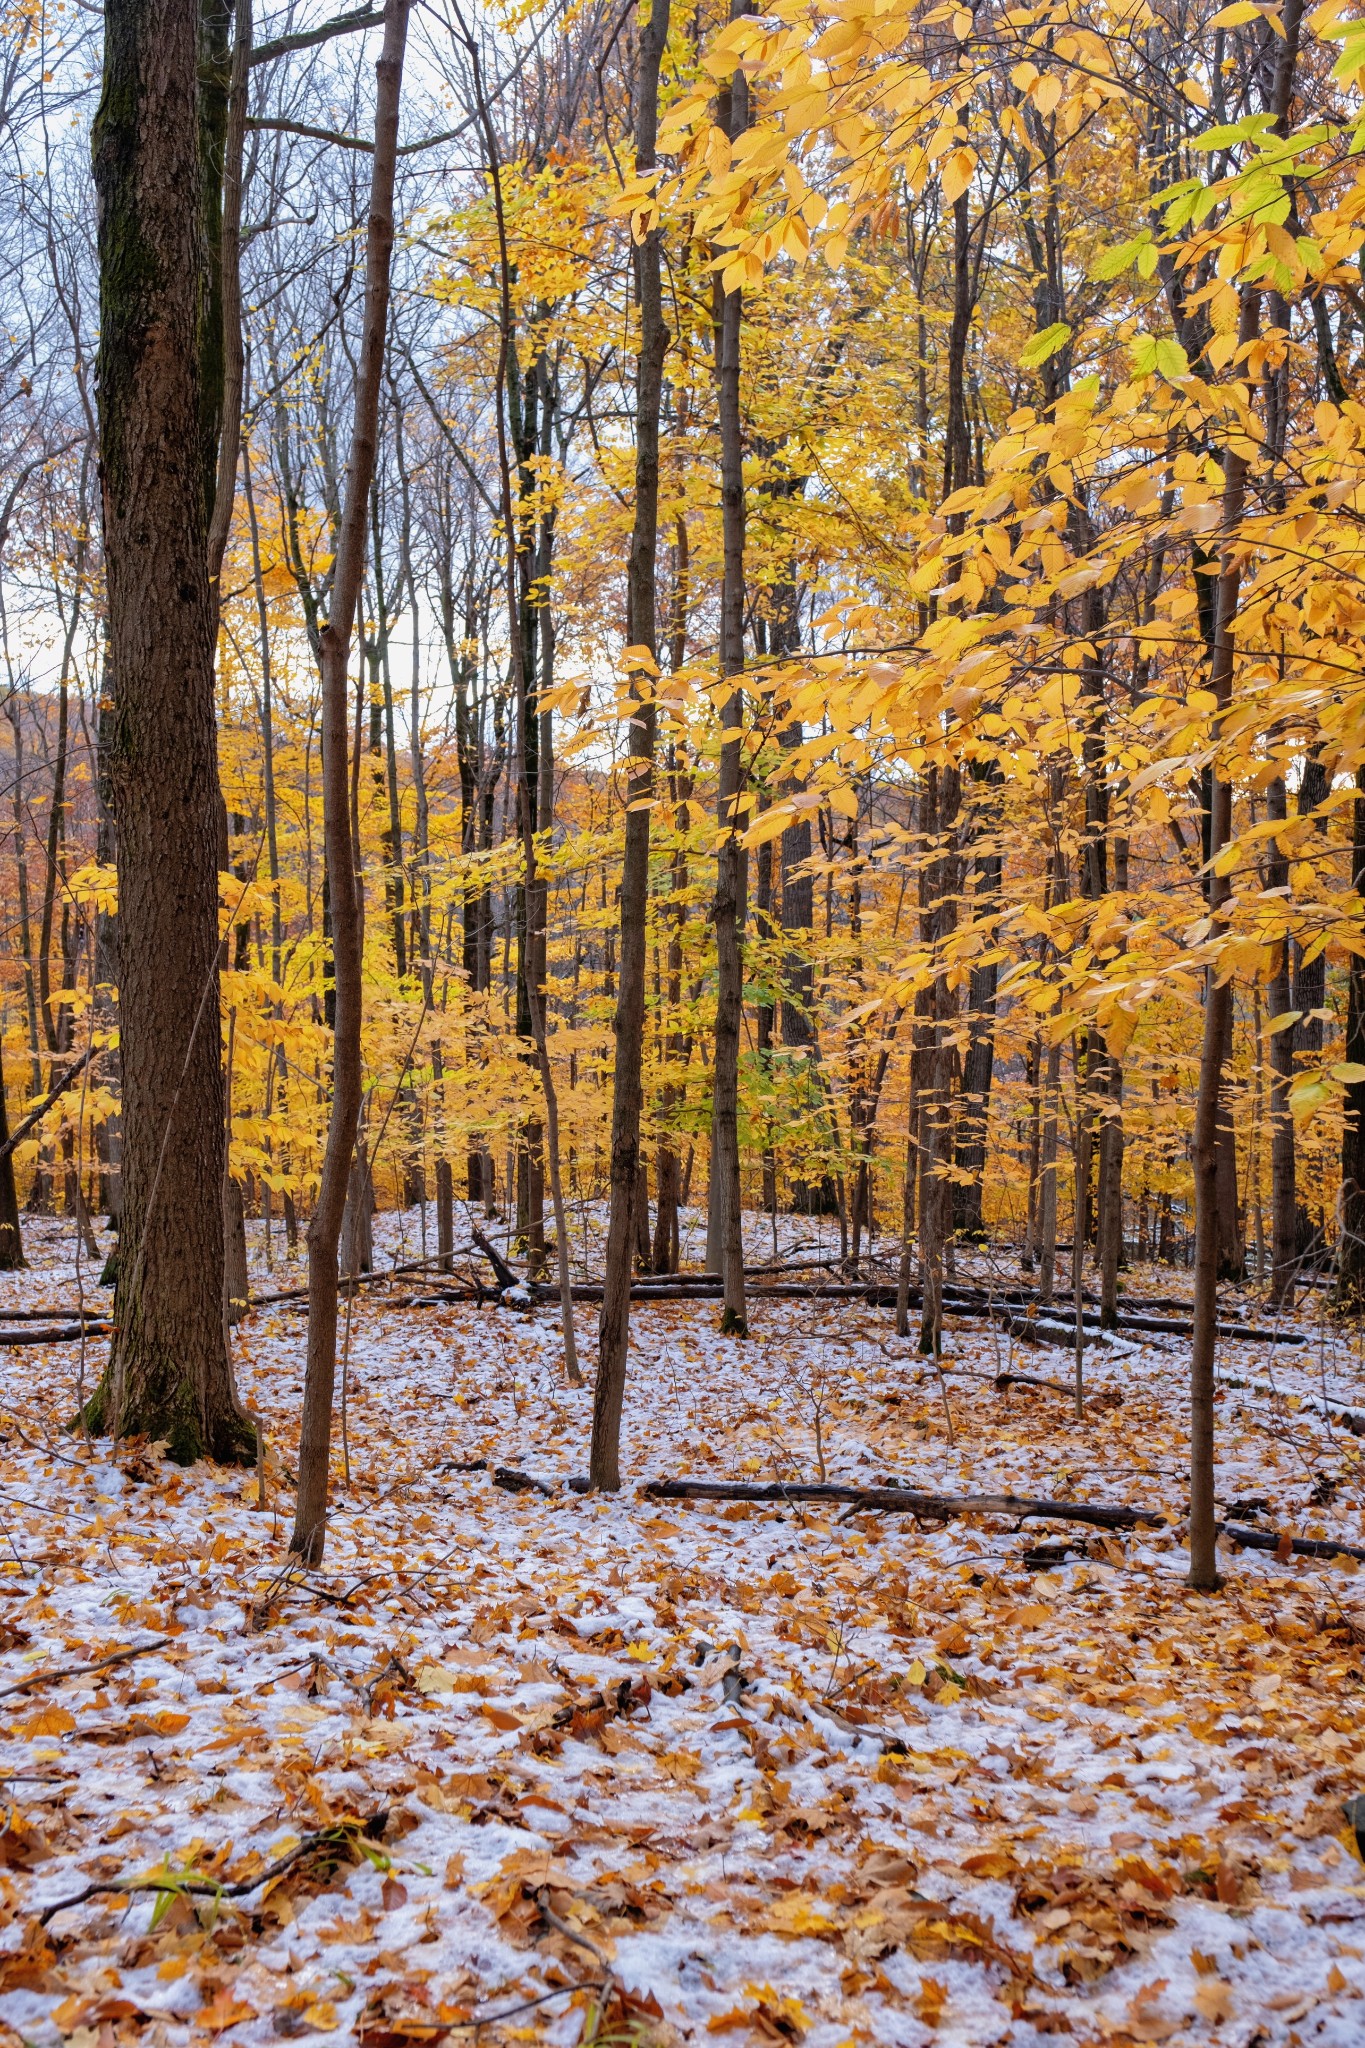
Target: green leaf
1228	132
1045	344
1154	356
1115	261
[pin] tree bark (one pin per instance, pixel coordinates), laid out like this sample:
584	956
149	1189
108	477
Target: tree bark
530	982
1218	997
1351	1249
12	1258
624	1219
324	1231
1217	1034
724	1244
1110	1246
168	1376
1283	1245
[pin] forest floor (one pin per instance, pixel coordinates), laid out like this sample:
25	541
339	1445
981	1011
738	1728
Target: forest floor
934	1794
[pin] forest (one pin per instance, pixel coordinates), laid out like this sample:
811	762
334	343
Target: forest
682	1022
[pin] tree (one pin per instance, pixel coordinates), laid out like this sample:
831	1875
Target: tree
324	1231
168	1375
641	657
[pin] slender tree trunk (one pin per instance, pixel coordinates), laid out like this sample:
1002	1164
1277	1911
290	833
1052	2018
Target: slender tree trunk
530	985
724	1238
623	1222
324	1231
1351	1249
12	1258
1047	1177
1111	1197
1283	1227
1217	1036
168	1375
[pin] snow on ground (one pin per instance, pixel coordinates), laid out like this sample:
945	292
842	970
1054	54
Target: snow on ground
677	1771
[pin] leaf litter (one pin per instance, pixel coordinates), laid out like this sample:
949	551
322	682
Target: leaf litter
529	1766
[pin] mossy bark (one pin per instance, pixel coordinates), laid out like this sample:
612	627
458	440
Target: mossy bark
169	1375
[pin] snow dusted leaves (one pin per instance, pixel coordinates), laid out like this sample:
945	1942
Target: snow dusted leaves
735	1770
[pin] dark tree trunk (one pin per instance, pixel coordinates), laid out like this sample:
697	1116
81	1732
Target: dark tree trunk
1216	1041
357	1221
11	1236
724	1234
1283	1247
1111	1197
628	1217
1351	1251
977	1071
168	1375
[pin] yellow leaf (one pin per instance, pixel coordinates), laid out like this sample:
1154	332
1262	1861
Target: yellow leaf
956	174
799	1913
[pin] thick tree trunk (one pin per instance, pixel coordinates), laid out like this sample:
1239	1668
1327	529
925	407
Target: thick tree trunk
315	1440
168	1375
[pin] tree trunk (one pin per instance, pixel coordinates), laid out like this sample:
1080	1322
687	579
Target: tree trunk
1111	1198
1047	1177
12	1258
168	1375
1217	1037
1283	1168
1351	1250
236	1284
628	1217
357	1219
724	1240
324	1231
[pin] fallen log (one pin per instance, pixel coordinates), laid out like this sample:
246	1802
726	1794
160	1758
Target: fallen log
512	1481
47	1315
1308	1404
906	1500
64	1334
1299	1546
1003	1381
363	1279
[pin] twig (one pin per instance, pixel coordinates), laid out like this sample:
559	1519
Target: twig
81	1670
35	1116
208	1887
